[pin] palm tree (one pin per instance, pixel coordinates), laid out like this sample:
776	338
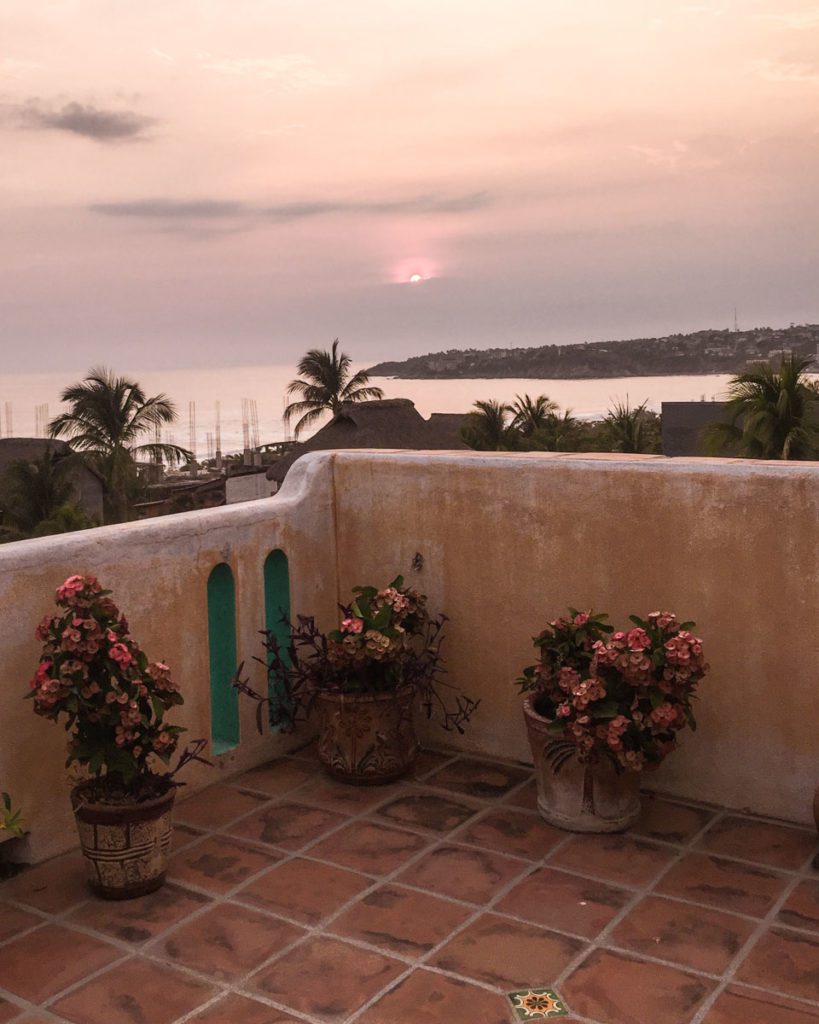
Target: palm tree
487	429
34	491
560	433
106	423
630	430
530	414
771	414
326	384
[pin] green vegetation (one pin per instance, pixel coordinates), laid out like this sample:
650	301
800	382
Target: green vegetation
325	385
771	414
536	424
38	499
107	423
11	821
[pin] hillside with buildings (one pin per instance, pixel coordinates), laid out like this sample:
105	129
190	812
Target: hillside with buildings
703	352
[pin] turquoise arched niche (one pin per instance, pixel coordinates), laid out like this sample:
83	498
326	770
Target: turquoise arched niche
224	700
276	607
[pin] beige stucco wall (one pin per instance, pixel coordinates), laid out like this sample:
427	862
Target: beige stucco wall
507	542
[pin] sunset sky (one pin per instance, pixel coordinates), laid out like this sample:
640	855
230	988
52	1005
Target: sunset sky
232	181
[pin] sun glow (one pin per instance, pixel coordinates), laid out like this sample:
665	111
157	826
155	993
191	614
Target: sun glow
415	278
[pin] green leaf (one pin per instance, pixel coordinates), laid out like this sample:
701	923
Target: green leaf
605	709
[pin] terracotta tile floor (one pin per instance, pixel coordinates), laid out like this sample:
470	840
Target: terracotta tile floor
293	899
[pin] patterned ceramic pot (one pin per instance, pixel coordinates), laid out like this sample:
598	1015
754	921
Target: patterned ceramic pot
367	738
125	846
574	796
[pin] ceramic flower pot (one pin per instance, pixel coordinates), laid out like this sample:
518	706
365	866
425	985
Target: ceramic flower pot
367	738
125	845
574	796
816	819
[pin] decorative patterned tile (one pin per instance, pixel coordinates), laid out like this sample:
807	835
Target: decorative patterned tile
400	920
428	811
696	937
45	961
326	978
305	890
227	942
215	806
367	846
513	832
614	858
566	902
723	883
801	909
537	1004
135	992
424	997
776	846
784	961
617	989
141	919
670	821
462	872
484	779
505	953
219	863
288	825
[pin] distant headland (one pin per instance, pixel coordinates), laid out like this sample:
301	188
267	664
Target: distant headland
703	352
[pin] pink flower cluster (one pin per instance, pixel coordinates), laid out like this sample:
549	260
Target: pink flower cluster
626	694
92	671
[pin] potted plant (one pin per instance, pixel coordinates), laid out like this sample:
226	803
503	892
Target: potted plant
601	707
363	680
113	700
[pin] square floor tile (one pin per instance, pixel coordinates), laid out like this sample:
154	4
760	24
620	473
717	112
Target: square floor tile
513	832
485	779
776	846
463	872
537	1004
182	835
43	962
428	811
141	919
219	863
670	821
227	942
696	937
425	997
53	886
400	920
525	797
565	902
429	761
723	883
739	1005
785	961
341	796
135	992
305	890
217	805
277	777
367	846
9	1011
506	953
13	920
288	825
617	989
801	909
623	860
236	1009
326	978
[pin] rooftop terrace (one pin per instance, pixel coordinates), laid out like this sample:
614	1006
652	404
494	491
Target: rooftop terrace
293	899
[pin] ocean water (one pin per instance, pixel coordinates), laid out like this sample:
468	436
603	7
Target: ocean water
234	389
